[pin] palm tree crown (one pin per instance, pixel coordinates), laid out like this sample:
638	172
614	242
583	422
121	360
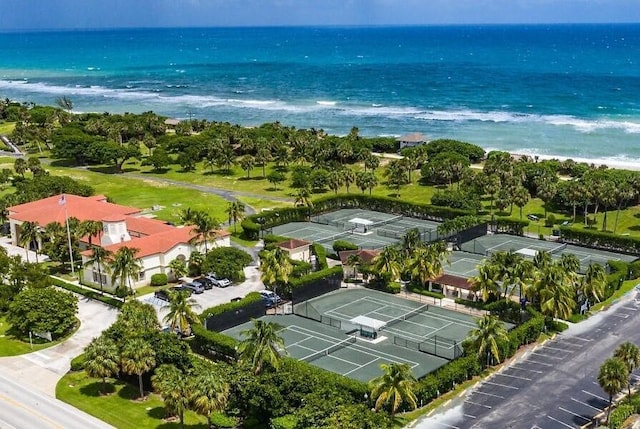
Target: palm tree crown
137	358
261	344
394	387
181	315
486	336
628	353
125	266
612	378
102	359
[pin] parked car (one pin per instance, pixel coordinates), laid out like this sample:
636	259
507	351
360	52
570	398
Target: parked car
182	288
270	299
236	299
533	217
194	287
206	282
162	295
218	281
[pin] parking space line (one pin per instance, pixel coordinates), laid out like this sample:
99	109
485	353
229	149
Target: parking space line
469	415
446	425
501	385
621	316
475	403
488	394
513	376
578	338
550	357
562	423
596	396
562	350
584	403
574	414
525	369
538	363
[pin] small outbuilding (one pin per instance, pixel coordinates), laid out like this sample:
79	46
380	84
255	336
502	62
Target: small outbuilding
411	140
299	250
364	256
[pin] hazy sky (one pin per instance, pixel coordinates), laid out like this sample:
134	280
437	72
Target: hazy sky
49	14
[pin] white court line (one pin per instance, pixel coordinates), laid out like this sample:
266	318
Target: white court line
501	385
596	396
480	405
469	415
577	415
487	394
524	369
512	376
584	403
562	423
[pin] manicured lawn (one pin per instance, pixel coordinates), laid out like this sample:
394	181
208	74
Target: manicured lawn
6	128
119	408
146	194
12	346
625	288
259	204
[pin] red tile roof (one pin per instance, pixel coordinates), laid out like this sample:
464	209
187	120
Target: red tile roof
50	210
293	243
146	226
455	281
366	255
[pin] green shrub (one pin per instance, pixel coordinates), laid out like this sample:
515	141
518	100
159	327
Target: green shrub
89	293
290	421
219	420
77	363
213	343
300	268
510	226
159	279
620	415
600	240
550	220
340	245
412	287
231	306
321	256
317	275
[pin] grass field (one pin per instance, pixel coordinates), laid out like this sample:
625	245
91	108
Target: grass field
7	128
119	408
11	346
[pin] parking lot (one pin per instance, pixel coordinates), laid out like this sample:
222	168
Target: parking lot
550	386
215	296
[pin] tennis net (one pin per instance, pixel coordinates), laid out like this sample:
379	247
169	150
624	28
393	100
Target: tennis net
332	238
407	316
325	352
385	222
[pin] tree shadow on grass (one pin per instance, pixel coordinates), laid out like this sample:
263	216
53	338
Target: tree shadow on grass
129	391
252	178
159	413
63	163
111	169
97	389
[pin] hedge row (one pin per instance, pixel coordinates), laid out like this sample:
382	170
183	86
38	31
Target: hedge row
510	226
254	224
89	293
213	343
412	287
321	254
620	415
231	306
315	276
600	240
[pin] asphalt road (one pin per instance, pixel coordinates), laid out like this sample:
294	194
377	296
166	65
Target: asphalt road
553	386
22	407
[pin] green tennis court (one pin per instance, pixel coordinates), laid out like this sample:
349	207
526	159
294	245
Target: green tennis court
528	247
333	349
365	228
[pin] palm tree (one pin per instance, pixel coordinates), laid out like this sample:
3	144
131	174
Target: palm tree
486	337
178	267
181	315
426	263
394	387
411	240
125	266
210	393
348	176
261	345
91	228
99	257
556	296
137	358
29	233
354	260
235	210
613	376
628	353
205	228
388	261
247	163
302	198
175	388
102	359
276	267
594	282
486	281
542	259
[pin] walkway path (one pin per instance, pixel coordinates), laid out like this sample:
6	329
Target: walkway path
11	145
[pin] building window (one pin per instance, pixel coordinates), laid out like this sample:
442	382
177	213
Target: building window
96	277
141	276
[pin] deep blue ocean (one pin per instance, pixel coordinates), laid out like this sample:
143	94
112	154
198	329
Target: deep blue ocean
562	90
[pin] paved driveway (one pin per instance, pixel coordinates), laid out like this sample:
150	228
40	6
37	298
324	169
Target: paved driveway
43	369
551	386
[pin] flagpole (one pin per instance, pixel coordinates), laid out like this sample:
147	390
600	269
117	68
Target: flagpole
66	219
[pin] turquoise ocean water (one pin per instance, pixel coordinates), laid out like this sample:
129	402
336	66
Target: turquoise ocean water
564	90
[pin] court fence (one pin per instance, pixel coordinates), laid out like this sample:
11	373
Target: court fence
435	345
308	311
229	319
316	288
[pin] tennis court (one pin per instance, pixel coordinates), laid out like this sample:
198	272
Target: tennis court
528	247
408	324
333	349
463	264
365	228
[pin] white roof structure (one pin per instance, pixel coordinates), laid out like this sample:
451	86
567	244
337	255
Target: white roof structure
368	322
360	221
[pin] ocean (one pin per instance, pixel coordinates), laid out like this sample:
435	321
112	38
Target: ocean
546	90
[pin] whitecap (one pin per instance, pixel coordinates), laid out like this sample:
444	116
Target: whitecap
326	103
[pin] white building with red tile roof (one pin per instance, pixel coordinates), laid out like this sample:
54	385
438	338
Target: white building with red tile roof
299	250
158	243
